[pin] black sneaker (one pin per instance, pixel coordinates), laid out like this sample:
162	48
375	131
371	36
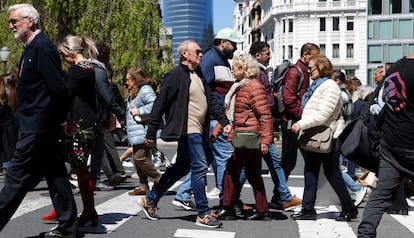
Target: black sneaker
187	205
209	221
304	215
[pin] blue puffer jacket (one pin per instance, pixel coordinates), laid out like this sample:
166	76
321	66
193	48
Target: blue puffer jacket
144	102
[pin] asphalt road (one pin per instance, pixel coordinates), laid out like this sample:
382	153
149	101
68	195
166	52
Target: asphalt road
121	217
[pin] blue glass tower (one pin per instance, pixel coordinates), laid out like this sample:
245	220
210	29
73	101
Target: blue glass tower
189	19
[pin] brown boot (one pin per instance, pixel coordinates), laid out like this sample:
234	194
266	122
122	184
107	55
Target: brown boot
89	214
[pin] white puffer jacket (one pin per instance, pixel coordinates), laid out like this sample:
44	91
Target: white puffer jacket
323	107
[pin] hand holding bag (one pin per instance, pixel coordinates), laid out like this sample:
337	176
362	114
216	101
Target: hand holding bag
246	140
316	139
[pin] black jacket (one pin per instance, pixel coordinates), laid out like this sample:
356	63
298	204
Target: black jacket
41	91
173	102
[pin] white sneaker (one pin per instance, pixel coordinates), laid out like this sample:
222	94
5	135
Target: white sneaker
360	195
214	193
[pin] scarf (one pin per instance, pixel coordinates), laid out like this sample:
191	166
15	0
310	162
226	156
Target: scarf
315	84
230	99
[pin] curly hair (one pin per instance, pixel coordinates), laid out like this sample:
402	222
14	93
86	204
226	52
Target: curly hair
248	64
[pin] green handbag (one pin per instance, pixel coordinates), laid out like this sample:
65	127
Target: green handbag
246	140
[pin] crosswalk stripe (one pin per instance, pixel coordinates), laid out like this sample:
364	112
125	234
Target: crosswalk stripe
192	233
116	211
32	203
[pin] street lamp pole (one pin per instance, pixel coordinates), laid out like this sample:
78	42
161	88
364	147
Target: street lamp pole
4	55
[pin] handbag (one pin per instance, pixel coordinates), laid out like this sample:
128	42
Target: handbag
77	148
361	144
316	139
246	140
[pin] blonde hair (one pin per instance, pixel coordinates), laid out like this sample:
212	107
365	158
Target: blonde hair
79	45
248	64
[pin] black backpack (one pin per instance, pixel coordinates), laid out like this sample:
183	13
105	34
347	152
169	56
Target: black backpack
278	82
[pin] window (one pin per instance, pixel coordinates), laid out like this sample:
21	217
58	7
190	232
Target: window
376	6
350	50
394	53
385	30
283	52
395	5
374	54
350	23
322	48
322	24
411	6
335	23
284	26
290	25
350	72
335	51
290	53
370	30
405	28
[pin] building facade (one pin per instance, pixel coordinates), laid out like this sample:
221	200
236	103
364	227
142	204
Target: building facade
390	32
188	19
339	27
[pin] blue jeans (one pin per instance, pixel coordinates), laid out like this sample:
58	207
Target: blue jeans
274	163
350	183
222	151
184	192
191	156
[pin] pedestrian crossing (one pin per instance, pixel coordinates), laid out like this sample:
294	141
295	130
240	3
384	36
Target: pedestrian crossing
119	210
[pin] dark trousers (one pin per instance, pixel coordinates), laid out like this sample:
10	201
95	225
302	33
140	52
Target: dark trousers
333	174
36	156
112	153
386	191
97	153
252	164
289	149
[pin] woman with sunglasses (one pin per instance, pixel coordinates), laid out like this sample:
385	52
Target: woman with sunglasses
321	107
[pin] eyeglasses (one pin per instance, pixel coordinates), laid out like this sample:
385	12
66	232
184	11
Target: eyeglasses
313	68
14	21
197	52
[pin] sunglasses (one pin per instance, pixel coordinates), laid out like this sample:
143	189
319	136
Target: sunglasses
14	21
311	69
197	52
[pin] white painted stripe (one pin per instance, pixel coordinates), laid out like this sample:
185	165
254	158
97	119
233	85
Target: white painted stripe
116	211
31	203
325	226
191	233
406	221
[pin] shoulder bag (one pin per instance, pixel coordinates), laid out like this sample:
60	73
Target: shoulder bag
246	140
316	139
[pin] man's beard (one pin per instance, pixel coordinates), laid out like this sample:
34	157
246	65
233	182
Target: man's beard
228	53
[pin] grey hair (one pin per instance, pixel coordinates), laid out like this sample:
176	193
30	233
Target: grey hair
183	47
78	44
27	10
364	91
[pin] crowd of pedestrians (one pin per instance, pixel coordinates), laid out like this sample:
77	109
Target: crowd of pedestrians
200	104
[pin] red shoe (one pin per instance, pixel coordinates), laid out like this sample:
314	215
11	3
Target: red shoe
51	216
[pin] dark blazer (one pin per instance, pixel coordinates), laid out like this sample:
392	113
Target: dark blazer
41	91
173	102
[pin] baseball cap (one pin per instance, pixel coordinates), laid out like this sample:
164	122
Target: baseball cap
228	34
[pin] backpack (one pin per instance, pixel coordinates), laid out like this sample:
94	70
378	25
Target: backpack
278	82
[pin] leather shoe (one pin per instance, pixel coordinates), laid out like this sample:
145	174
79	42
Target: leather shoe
58	233
348	215
226	214
304	215
138	191
260	216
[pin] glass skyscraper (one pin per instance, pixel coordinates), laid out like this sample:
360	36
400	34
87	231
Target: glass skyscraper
188	19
